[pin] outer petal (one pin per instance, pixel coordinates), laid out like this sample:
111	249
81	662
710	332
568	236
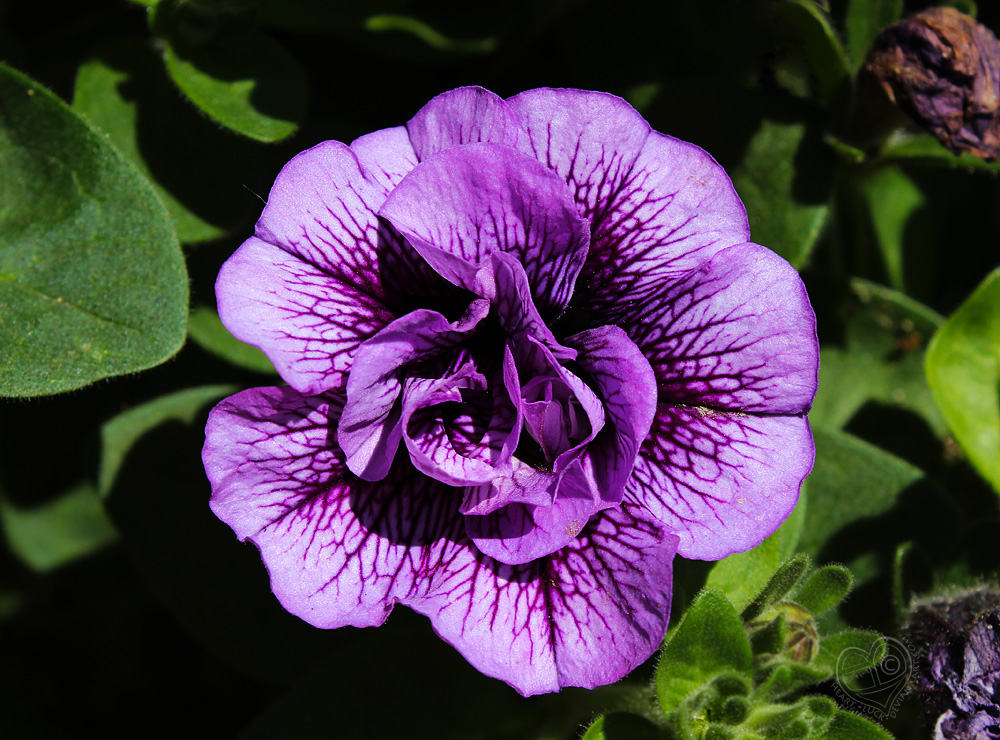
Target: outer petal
736	333
339	551
674	210
467	115
308	321
369	431
307	288
721	481
458	207
658	206
584	616
590	139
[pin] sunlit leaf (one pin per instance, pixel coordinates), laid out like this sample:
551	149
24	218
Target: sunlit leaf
963	369
767	182
251	84
110	89
709	641
897	209
121	433
926	150
92	279
820	44
880	359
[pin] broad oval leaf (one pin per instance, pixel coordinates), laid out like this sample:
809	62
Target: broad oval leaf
251	85
92	278
963	370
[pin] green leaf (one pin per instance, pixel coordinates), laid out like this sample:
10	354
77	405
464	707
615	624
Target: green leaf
881	359
847	726
621	726
865	19
785	677
92	278
207	330
824	589
850	480
963	370
742	575
709	641
250	84
778	586
58	532
819	42
121	433
431	37
850	653
926	150
117	85
900	220
767	181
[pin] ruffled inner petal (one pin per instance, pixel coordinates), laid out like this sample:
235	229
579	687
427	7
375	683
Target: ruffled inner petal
370	431
461	430
462	205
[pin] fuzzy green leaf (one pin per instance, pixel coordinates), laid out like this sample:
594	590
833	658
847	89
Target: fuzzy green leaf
709	641
92	278
251	85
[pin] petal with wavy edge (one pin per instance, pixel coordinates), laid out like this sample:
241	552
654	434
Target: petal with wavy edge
583	616
322	282
467	115
736	333
520	533
369	431
467	202
308	322
590	139
386	156
461	430
675	209
626	385
339	551
721	481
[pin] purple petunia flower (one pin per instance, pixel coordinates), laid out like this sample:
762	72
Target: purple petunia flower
530	356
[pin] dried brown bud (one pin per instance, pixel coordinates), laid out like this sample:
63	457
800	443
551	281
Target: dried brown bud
943	69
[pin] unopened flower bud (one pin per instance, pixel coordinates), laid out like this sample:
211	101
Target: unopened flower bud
943	69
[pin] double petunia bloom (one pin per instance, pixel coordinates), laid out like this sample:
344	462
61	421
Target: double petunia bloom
531	355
